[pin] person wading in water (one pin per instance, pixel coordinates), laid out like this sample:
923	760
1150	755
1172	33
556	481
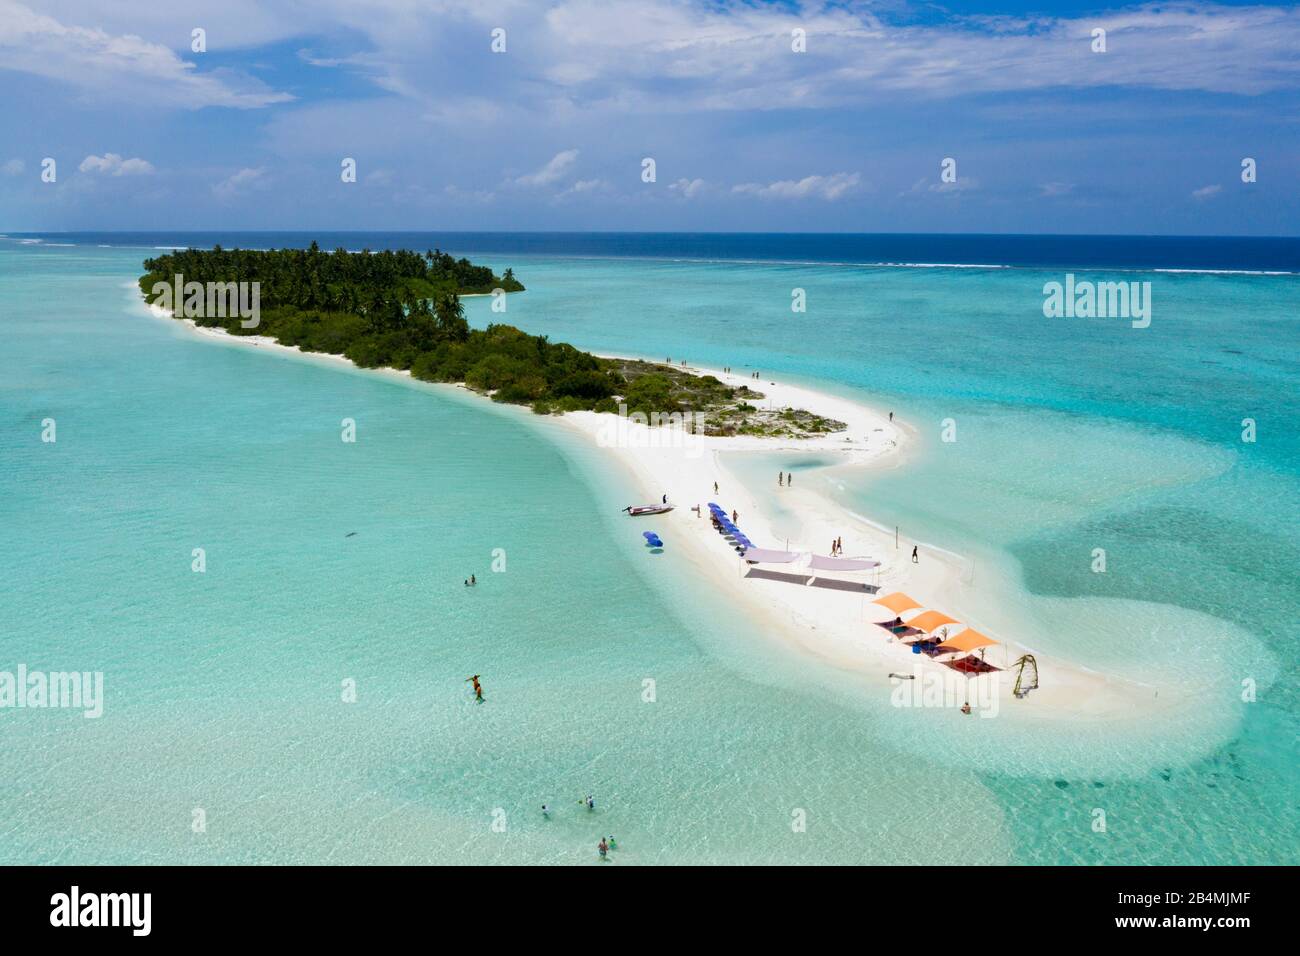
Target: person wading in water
478	688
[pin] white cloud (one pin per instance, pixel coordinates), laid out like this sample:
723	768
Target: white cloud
820	187
469	195
585	186
1205	192
677	55
1052	190
959	185
14	167
558	165
111	164
244	179
687	188
118	66
662	55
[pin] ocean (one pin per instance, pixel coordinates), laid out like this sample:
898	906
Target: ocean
226	736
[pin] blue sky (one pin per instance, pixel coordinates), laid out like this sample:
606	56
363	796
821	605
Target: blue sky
1048	135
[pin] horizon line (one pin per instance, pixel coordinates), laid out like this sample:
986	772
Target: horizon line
641	232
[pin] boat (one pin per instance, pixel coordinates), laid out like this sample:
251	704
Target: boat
637	511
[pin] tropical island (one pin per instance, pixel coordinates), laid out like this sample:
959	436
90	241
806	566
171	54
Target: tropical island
402	310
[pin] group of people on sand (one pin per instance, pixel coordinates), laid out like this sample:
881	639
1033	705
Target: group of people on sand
837	546
783	479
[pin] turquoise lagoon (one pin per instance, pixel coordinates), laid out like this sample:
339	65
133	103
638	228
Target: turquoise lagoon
224	689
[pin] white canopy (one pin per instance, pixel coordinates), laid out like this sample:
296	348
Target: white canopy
766	556
819	563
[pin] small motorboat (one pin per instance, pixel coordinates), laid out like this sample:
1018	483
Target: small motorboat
637	511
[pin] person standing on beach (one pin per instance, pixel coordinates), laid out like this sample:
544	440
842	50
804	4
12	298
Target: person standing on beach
780	479
734	517
915	559
891	416
715	487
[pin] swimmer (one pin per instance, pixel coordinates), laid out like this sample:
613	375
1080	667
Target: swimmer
478	688
546	810
603	847
590	802
612	845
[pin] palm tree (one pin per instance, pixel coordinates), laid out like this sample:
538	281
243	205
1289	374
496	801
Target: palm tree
450	317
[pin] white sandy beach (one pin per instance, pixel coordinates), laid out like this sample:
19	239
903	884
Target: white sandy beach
833	621
834	618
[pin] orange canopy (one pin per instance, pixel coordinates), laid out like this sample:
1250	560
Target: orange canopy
968	640
930	620
898	602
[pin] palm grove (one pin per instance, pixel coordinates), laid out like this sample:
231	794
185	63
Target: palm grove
402	310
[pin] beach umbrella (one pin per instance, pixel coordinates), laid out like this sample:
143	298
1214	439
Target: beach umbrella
929	621
898	602
968	640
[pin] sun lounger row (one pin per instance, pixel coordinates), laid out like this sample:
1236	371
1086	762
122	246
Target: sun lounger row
727	528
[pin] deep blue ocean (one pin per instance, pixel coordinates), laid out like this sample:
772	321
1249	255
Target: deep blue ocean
1250	254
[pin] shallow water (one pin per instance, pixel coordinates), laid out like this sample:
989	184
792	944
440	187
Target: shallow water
224	688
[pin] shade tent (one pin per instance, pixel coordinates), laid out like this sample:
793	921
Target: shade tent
769	556
967	641
819	563
929	621
898	602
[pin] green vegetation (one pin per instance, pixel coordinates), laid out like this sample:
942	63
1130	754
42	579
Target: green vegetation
402	310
